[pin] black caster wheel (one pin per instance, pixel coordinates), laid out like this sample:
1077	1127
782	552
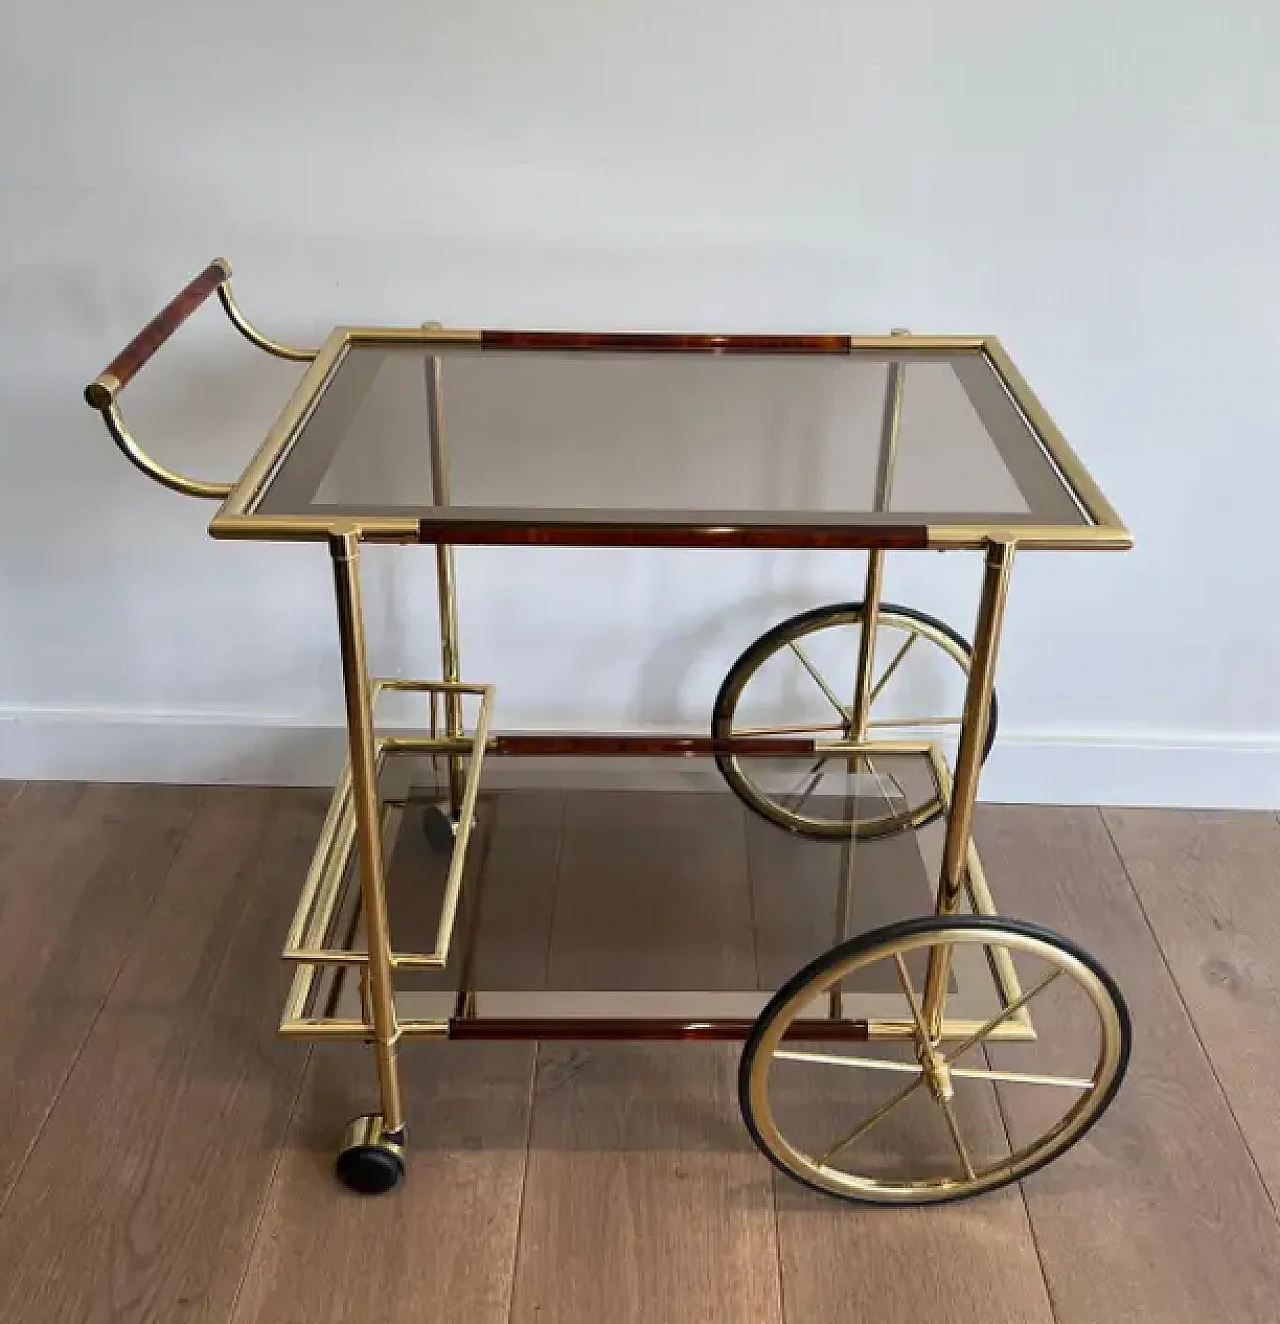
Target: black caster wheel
370	1162
438	828
441	829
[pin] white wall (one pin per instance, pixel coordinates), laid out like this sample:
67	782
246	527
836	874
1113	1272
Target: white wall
1095	182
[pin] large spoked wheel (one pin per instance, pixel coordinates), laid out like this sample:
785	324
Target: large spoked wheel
924	1119
799	679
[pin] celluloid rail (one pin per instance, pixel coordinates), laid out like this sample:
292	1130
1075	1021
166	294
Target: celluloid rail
646	1028
773	746
142	348
524	745
685	746
685	343
514	529
642	1029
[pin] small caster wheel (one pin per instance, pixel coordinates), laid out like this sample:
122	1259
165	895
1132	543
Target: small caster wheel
439	828
370	1162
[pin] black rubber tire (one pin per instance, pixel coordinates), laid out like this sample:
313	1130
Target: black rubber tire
889	933
777	637
370	1169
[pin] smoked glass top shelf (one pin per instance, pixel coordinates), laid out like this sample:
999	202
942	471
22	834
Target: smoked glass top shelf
667	440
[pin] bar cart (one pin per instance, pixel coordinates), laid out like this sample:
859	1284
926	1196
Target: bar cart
849	732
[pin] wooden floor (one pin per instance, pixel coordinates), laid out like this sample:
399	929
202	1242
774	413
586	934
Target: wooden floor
163	1157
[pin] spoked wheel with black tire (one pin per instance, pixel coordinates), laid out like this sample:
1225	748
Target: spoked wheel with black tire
921	1117
799	679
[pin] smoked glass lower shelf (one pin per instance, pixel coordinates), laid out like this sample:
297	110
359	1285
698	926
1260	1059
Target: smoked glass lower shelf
630	898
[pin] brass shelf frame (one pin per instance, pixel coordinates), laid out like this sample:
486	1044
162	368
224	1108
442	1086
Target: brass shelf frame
326	896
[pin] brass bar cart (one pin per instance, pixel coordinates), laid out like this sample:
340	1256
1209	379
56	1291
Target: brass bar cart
850	729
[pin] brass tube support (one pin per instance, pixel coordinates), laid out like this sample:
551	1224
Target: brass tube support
345	551
129	448
252	334
890	426
871	594
446	584
977	716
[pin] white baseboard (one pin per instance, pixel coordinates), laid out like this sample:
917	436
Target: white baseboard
246	749
1191	772
131	745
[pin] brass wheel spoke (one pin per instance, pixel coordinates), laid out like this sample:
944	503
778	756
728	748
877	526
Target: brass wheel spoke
882	780
887	675
1023	1078
953	1125
816	729
904	978
818	679
899	722
1012	1009
815	776
864	1126
839	1060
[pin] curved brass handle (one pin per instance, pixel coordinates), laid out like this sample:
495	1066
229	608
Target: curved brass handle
136	456
252	334
101	393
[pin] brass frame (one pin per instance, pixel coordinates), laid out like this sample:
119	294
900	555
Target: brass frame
977	714
321	908
354	826
872	592
252	334
446	577
238	517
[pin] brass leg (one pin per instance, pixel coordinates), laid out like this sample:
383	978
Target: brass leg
843	898
345	550
873	590
890	425
446	586
977	713
859	764
366	1003
449	669
861	709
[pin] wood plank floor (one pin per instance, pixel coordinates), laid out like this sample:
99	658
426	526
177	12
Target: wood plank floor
164	1157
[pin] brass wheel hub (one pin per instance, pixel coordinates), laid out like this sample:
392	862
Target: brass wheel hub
936	1073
